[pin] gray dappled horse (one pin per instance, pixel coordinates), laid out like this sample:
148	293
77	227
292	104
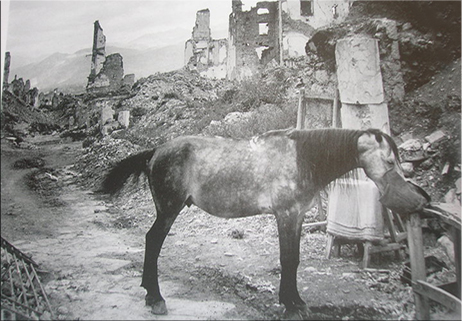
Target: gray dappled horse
277	173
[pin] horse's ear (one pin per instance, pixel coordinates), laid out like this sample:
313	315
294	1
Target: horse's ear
378	137
385	128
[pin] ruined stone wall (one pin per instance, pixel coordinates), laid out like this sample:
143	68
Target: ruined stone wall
23	91
253	38
317	13
6	70
99	51
109	79
201	30
204	54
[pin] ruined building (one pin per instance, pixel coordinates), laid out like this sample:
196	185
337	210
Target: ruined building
98	55
18	88
204	54
6	70
271	32
107	72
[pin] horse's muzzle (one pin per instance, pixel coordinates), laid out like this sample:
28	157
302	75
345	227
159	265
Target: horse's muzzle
403	197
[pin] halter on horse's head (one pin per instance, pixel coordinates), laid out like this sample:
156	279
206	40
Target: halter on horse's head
378	156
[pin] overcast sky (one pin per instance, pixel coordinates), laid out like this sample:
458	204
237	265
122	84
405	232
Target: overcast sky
36	29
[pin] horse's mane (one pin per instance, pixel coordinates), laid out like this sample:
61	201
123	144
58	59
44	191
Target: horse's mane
326	154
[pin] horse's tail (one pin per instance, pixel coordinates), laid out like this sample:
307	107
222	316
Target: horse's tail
118	175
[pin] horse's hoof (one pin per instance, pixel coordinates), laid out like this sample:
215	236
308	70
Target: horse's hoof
302	313
157	307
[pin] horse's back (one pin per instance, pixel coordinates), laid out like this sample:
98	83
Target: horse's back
227	177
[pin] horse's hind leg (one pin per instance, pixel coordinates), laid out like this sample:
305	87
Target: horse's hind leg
154	240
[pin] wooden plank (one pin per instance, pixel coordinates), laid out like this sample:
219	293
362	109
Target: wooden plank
401	236
367	254
330	242
416	253
384	248
301	110
321	212
335	122
399	222
436	294
446	219
389	221
308	225
456	239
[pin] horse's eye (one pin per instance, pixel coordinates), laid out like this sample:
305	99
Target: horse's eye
391	161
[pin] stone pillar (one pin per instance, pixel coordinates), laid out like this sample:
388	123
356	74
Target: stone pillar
363	106
99	51
124	118
360	84
6	70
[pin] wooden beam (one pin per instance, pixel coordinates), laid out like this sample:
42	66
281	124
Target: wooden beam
436	294
335	110
384	248
322	223
301	109
418	271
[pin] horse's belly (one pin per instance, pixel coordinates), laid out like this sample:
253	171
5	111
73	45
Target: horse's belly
231	204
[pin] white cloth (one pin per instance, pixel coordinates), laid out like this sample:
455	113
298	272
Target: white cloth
354	211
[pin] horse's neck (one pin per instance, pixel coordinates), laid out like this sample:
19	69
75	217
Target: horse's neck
337	172
335	154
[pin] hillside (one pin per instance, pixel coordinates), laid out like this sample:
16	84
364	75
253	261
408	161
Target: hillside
69	72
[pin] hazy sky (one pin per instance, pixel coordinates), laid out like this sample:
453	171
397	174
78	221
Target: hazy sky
39	28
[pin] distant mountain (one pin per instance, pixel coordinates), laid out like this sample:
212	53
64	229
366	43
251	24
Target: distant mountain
160	39
69	72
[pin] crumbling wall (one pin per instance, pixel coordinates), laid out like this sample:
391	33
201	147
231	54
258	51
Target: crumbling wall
109	79
317	13
6	70
204	54
253	39
98	55
23	91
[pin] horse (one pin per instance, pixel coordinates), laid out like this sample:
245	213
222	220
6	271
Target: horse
278	172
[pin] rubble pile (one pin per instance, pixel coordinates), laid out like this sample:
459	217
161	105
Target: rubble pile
99	156
427	163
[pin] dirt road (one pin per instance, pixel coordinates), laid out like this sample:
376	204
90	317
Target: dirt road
210	268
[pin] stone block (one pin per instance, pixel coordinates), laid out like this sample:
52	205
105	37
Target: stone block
408	169
435	137
358	70
124	118
411	145
107	115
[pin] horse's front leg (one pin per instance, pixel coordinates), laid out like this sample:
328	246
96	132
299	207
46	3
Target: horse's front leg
289	228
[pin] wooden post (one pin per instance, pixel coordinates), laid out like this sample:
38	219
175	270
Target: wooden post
456	239
335	123
301	110
416	253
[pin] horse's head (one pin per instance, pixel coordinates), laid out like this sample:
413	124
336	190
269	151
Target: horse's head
378	156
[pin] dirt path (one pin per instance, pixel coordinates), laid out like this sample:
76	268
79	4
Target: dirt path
210	268
94	270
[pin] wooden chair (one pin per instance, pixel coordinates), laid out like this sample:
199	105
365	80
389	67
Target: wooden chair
391	242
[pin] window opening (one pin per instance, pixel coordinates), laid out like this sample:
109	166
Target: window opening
306	8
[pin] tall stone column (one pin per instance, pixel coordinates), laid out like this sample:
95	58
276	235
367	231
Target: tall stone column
98	53
360	84
6	70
